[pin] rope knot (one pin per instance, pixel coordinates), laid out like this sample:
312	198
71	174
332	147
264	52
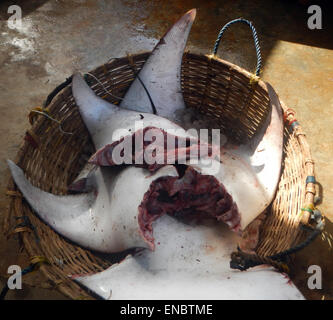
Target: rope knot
254	79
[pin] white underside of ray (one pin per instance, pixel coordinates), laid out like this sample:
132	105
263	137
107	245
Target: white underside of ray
106	222
264	152
106	122
189	262
161	73
241	183
102	120
251	172
254	169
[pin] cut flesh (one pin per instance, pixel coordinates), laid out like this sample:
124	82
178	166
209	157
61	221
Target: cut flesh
252	188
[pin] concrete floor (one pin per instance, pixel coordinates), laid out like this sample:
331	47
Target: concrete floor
58	36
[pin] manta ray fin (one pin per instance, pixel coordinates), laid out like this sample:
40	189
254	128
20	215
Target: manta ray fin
106	220
272	130
191	261
161	73
267	145
69	215
128	280
261	159
93	109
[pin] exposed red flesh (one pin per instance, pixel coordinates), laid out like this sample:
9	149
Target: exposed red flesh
191	195
79	186
182	150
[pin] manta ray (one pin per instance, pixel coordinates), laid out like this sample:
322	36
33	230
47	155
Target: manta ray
180	218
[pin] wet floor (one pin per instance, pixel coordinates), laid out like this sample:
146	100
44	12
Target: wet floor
58	36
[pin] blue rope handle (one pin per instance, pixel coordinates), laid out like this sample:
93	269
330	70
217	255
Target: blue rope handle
255	38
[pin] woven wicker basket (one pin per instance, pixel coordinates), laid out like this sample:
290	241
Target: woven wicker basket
52	160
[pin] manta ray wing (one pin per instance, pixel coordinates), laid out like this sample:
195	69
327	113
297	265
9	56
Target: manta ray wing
191	262
161	73
106	122
106	220
252	171
161	76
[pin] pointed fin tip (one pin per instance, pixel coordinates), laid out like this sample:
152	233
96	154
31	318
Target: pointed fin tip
191	14
77	73
78	84
77	80
187	18
165	89
184	22
17	175
14	169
